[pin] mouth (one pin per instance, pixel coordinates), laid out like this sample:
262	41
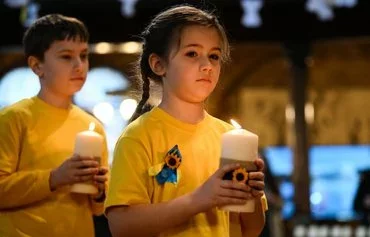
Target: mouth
204	80
77	79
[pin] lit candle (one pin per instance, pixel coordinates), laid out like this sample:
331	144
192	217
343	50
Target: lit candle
239	146
88	144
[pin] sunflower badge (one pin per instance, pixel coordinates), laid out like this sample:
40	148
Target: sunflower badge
240	175
168	171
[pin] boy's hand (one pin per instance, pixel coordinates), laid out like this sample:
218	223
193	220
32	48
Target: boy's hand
218	192
100	179
256	179
73	170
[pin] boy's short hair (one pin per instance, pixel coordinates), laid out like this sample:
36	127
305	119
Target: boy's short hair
50	28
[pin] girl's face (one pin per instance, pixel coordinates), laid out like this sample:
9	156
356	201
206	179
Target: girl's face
65	67
194	65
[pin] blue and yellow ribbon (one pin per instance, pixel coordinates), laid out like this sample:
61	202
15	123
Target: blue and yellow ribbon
167	171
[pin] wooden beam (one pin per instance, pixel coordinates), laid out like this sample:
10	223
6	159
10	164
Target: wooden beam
297	52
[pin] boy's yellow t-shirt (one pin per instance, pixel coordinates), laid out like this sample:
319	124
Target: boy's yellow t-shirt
35	138
143	147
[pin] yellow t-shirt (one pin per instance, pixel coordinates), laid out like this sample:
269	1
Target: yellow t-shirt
145	143
35	138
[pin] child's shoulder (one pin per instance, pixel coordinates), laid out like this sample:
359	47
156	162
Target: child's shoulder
219	124
140	126
19	109
83	114
140	131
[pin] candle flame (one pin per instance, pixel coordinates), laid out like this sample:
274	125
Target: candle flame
92	126
235	124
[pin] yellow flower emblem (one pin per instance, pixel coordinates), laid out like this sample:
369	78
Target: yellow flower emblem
240	175
172	161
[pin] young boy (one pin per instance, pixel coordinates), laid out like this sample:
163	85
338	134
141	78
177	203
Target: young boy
37	136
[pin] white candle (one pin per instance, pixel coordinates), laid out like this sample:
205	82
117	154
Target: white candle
88	144
239	145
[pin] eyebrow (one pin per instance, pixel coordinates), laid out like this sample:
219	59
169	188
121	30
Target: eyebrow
200	46
70	51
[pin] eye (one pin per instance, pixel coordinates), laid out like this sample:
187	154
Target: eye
191	54
84	56
67	57
214	57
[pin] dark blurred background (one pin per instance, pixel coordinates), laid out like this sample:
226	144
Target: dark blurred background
299	78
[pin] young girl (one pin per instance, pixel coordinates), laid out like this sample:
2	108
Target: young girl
165	178
37	136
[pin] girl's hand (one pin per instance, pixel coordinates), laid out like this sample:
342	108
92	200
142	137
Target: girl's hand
256	179
217	192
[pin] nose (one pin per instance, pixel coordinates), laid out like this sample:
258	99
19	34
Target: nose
205	64
78	64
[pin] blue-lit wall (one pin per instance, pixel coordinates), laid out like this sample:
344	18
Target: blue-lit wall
335	175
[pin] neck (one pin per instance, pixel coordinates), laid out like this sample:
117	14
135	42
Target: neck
62	102
192	113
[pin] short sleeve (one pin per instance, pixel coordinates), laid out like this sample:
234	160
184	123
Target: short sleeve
129	183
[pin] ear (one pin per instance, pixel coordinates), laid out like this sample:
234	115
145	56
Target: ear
36	65
157	64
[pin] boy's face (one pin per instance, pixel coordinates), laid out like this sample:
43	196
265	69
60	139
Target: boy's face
64	68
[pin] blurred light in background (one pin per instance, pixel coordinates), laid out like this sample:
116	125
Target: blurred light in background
103	48
29	14
16	3
131	47
286	190
299	231
127	108
336	231
128	7
309	111
344	3
316	198
333	230
104	111
321	8
361	231
322	231
99	81
324	8
18	84
289	113
313	231
251	17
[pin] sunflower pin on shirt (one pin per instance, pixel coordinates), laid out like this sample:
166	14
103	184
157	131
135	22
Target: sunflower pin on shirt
167	171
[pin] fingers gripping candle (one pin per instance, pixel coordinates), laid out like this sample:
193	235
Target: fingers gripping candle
88	144
239	146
